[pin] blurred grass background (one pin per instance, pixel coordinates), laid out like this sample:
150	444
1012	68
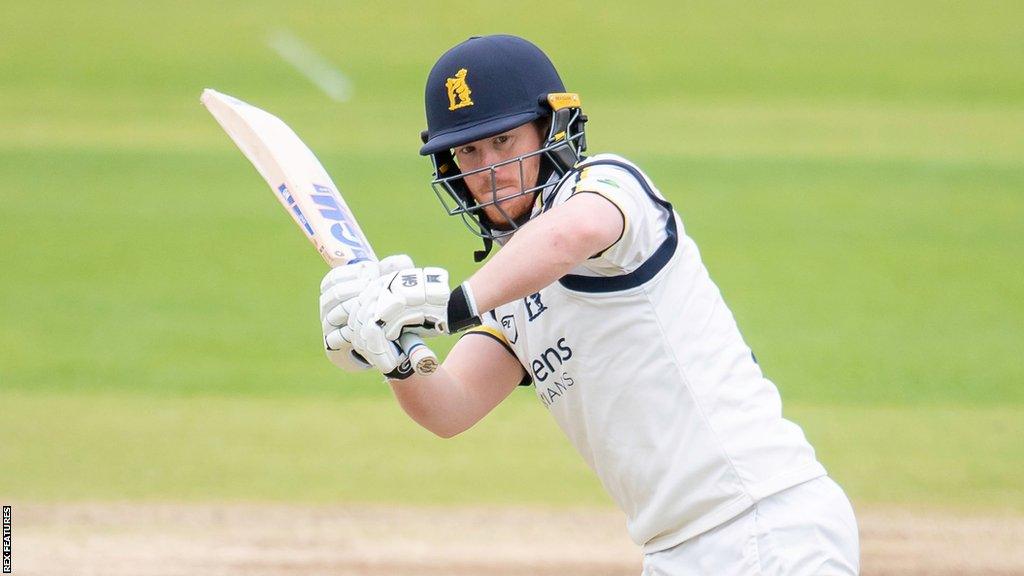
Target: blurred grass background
853	174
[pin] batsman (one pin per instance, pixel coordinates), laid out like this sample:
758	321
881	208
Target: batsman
596	297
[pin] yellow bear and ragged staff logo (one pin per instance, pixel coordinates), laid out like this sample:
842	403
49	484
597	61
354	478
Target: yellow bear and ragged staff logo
458	91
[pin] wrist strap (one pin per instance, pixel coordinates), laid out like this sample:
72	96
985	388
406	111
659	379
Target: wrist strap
462	312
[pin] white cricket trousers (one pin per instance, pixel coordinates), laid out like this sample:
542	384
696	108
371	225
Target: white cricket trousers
806	530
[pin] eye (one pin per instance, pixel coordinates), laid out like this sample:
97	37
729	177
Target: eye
465	150
502	139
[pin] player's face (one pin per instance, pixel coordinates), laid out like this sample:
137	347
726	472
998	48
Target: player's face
507	179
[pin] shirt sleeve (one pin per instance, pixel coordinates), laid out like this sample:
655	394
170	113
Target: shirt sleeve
643	220
490	327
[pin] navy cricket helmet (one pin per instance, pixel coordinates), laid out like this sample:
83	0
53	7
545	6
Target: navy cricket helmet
483	87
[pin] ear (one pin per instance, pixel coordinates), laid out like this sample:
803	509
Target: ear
543	125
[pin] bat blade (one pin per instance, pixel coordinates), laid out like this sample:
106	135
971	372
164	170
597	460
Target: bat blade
296	176
306	192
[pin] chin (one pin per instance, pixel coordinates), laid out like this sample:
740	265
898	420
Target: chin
498	223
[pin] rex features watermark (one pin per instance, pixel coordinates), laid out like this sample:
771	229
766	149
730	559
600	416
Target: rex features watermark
7	539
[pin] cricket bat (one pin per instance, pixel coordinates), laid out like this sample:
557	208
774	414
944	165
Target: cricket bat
306	192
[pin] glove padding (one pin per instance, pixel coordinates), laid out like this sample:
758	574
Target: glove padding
338	291
413	300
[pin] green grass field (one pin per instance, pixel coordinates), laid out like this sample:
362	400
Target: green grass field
853	174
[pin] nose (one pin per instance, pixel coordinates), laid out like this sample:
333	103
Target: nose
501	173
489	156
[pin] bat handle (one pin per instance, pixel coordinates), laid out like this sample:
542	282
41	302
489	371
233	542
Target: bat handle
422	358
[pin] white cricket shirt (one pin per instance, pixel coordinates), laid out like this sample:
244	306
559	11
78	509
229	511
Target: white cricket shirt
639	360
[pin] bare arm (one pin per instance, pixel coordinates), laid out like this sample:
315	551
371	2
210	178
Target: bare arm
479	372
475	377
547	248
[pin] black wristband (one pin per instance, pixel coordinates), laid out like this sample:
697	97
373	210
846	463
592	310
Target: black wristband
462	312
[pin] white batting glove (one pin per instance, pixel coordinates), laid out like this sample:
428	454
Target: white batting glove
415	299
367	336
412	300
338	291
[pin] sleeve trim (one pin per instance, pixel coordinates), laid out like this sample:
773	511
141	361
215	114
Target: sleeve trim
494	334
650	268
498	337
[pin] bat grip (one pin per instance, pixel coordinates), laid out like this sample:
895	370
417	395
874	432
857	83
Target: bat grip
422	358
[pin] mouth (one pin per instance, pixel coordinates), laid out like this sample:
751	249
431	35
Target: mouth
512	188
498	194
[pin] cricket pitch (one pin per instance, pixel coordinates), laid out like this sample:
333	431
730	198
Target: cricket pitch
278	540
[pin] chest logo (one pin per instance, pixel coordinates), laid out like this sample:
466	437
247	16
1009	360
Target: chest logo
508	324
458	91
534	307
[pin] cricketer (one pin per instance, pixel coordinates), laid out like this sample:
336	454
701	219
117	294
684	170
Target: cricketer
598	298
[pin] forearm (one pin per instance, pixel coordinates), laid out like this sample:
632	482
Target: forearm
533	259
545	249
475	377
438	402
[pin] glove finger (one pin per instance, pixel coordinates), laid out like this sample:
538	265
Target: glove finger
361	316
371	337
434	275
334	341
389	307
392	358
339	351
341	292
347	335
342	274
395	263
347	360
436	291
338	316
372	291
392	330
423	331
437	319
412	287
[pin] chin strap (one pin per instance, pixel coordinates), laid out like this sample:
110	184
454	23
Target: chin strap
479	255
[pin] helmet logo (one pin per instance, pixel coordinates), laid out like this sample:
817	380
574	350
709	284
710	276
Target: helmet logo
458	91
